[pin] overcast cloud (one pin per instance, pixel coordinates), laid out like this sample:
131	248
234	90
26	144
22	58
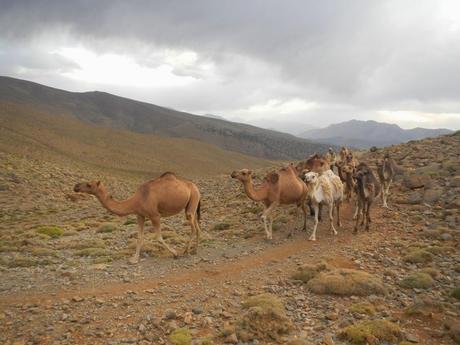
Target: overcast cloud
282	64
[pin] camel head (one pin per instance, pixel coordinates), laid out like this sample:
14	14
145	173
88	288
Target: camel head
92	187
244	175
347	169
310	176
362	172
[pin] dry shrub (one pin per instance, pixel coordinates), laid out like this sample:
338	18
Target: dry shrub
417	280
307	272
264	319
424	306
418	256
346	282
371	332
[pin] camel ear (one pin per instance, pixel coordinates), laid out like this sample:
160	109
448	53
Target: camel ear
98	183
274	177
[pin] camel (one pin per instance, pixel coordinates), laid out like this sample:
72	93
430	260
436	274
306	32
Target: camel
325	188
314	163
282	187
367	189
343	154
347	172
386	170
331	158
164	196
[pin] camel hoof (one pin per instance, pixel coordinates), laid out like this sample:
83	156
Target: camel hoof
312	239
133	260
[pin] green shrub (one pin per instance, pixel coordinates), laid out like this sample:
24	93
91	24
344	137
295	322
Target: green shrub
371	332
417	280
51	231
181	336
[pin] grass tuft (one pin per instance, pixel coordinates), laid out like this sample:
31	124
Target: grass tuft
181	336
371	332
418	256
346	282
418	280
264	319
51	231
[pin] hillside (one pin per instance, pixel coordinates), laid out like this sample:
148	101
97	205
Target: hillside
56	137
364	134
117	112
65	277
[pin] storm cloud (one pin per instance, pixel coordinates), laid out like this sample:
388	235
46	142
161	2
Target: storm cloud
265	62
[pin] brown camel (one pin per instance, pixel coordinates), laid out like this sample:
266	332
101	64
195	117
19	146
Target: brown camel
314	163
282	187
164	196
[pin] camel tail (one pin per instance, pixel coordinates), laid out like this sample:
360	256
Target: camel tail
198	211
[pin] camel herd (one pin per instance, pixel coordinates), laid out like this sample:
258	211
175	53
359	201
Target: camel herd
311	183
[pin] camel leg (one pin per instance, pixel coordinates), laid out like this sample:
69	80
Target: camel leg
357	214
331	218
384	195
313	234
191	219
197	234
304	210
339	223
268	225
291	232
159	238
140	240
368	215
364	205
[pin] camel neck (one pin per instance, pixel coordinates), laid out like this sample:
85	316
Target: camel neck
118	207
252	193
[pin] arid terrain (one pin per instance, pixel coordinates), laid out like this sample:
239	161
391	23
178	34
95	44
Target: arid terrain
65	278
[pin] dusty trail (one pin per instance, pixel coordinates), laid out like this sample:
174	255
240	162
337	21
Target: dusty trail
217	274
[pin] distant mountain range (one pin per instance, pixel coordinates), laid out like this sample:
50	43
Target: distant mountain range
107	110
365	134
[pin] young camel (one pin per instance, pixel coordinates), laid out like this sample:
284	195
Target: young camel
325	188
386	171
283	187
164	196
347	172
367	189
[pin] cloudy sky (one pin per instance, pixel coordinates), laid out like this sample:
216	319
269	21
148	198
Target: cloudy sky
279	64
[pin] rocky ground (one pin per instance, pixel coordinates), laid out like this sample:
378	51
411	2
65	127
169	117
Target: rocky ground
65	277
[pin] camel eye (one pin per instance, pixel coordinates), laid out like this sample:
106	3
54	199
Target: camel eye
88	185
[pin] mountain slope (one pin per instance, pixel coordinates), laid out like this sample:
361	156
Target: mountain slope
113	111
364	134
53	136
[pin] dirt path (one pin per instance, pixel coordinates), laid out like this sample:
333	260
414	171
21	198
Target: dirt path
215	274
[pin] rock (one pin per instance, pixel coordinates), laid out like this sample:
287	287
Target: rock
416	181
197	310
455	181
431	196
231	339
170	314
327	340
412	338
77	299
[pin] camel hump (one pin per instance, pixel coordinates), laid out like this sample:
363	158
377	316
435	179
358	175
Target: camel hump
273	177
168	173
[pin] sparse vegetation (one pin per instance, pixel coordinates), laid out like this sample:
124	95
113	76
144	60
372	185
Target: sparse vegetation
456	293
106	228
346	282
181	336
50	231
363	308
221	226
264	319
371	332
307	272
417	280
416	256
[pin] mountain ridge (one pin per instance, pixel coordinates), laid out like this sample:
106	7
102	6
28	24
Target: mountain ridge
364	134
105	109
